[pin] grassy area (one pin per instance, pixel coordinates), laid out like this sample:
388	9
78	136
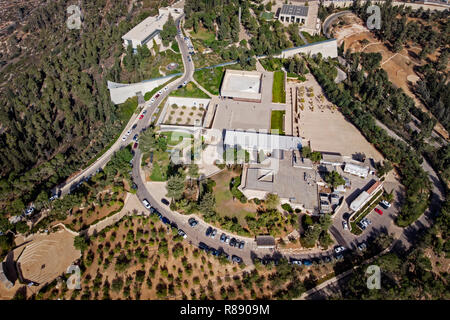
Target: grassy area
161	60
315	38
171	141
267	15
225	205
273	64
175	47
278	90
277	122
190	90
203	34
210	79
160	166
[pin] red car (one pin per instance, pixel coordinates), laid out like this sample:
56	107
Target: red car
135	145
378	211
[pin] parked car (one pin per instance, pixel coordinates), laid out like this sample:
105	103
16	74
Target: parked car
208	231
213	233
165	220
232	242
165	201
182	233
141	116
227	239
362	246
241	245
144	112
295	261
134	126
307	262
152	100
203	246
345	225
124	138
135	145
135	138
223	236
146	203
166	88
184	83
157	96
339	249
385	204
236	259
380	212
192	222
128	132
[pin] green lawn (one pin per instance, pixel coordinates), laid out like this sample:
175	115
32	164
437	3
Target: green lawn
210	79
203	34
171	141
267	15
277	122
190	90
278	90
160	166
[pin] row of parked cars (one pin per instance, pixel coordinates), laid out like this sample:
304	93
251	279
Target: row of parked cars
218	252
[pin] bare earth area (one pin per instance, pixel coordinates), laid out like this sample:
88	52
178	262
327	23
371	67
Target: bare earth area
399	66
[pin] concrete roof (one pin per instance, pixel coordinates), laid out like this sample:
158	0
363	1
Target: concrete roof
241	84
292	10
151	24
358	202
261	141
286	181
356	169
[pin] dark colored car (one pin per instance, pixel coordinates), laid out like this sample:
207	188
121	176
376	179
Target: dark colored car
135	145
307	262
213	233
236	259
241	245
135	138
208	231
157	96
165	220
233	242
223	237
165	201
192	222
203	246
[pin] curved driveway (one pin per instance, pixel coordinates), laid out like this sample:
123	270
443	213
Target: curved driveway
73	182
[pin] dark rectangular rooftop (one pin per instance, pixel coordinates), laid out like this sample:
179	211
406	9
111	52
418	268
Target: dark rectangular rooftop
292	10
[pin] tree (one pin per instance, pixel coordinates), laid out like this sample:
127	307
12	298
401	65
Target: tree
175	187
80	243
169	31
334	179
207	204
272	201
193	171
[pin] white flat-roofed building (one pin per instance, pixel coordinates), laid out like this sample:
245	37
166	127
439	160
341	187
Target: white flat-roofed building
242	85
360	200
293	14
149	29
361	171
261	141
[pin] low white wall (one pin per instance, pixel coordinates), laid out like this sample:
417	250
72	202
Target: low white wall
327	48
119	92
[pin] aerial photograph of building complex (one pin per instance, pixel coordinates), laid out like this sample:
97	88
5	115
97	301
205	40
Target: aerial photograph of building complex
238	150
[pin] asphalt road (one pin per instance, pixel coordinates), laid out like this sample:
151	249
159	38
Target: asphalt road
72	183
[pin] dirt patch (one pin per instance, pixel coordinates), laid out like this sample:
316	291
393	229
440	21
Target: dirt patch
399	66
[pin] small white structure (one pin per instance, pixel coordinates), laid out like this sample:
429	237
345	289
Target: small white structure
242	85
361	171
359	201
149	29
261	141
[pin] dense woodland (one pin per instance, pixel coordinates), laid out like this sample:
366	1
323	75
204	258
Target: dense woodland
429	30
55	112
